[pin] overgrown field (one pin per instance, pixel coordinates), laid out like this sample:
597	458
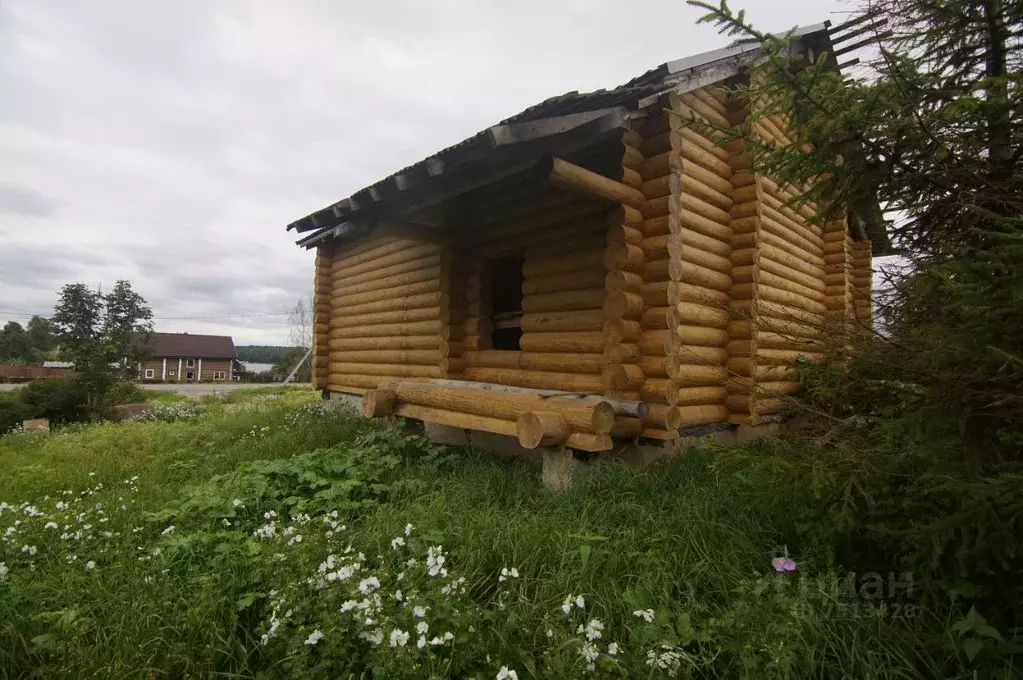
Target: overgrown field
269	535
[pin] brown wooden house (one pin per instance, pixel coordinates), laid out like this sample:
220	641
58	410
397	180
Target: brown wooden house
599	266
186	357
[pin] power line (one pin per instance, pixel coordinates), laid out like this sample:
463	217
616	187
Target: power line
166	318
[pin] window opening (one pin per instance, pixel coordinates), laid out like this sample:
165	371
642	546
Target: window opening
150	373
506	302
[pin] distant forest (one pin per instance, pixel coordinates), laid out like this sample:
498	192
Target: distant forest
265	354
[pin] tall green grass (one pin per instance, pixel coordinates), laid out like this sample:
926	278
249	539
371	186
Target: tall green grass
686	539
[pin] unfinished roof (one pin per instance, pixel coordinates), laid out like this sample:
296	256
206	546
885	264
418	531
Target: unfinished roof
558	125
188	345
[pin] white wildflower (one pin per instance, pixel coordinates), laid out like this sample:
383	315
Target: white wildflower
507	674
580	602
667	660
398	595
419	612
295	539
408	529
168	530
550	632
507	573
236	502
645	614
435	561
314	637
422	627
612	649
589	652
3	572
421	642
399	638
593	629
374	638
566	606
448	637
30	549
226	522
368	585
90	565
436	642
397	543
50	525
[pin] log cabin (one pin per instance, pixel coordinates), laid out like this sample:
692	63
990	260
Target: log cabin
600	267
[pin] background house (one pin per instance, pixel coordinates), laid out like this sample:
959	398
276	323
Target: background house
185	357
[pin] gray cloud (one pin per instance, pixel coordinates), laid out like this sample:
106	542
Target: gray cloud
170	143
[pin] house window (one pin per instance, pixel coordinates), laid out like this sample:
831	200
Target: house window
170	373
190	363
506	302
219	375
189	375
150	373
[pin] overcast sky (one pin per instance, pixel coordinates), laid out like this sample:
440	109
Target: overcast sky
169	142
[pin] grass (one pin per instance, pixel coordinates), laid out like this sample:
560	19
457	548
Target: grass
686	540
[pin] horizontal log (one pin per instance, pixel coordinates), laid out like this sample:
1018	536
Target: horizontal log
687	183
341	269
568	362
565	301
536	379
388	356
622	377
631	157
469	421
695	396
547	322
624	215
371	250
693	314
363	381
623	282
655	318
396	316
692	273
690	144
699	335
623	305
557	283
568	341
695	375
655	343
653	366
435	272
622	330
436	328
653	389
764	276
656	270
744	328
404	267
623	234
538	267
678	250
622	407
621	353
591	415
746	291
692	416
574	178
624	256
386	342
684	219
436	299
541	428
342	301
401	370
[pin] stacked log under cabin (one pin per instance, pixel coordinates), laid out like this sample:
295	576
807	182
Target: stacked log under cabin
648	268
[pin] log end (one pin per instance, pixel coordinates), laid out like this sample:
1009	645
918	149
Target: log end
379	403
541	428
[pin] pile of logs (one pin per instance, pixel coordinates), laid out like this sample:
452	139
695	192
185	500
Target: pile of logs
535	417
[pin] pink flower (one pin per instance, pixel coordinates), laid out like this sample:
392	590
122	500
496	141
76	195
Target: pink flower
783	564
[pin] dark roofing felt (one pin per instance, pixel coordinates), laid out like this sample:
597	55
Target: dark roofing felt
191	346
680	75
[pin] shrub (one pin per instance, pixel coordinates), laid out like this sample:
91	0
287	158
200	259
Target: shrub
61	400
12	411
125	393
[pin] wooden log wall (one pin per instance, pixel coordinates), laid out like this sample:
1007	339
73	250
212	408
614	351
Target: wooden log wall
389	314
322	288
862	283
687	243
838	247
562	242
778	286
